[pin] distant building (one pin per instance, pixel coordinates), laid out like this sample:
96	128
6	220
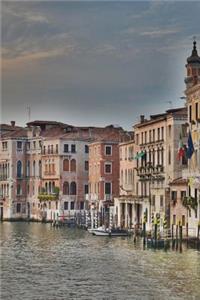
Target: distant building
127	205
13	184
44	168
192	174
156	146
104	169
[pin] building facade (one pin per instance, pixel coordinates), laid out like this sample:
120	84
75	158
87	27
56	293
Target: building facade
192	174
156	145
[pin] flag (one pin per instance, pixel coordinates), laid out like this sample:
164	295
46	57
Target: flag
139	155
190	146
181	150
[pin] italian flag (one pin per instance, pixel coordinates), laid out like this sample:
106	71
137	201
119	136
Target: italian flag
181	149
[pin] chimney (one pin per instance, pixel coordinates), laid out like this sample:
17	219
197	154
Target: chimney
12	123
142	119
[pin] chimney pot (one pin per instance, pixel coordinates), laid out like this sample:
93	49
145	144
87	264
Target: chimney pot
142	119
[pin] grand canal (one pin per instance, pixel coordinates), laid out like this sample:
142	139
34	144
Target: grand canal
42	262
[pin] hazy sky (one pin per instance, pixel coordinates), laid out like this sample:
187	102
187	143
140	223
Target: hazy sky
94	63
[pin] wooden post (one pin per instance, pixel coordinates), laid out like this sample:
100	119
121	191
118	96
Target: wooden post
144	233
198	231
180	232
155	234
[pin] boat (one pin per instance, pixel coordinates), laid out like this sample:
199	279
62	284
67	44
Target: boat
110	232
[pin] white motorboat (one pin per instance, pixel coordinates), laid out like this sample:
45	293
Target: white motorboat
110	232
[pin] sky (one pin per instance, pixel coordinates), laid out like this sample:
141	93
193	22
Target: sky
94	63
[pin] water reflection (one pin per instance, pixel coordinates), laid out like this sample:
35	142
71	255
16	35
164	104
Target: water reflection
42	262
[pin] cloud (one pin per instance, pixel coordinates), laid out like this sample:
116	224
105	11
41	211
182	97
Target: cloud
158	33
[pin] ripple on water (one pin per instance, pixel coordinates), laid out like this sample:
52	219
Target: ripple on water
41	262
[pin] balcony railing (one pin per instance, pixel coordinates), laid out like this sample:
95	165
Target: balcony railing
48	197
149	170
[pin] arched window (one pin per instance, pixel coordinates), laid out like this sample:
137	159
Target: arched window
65	188
73	165
18	189
40	168
66	165
73	188
46	187
19	168
50	187
53	186
28	168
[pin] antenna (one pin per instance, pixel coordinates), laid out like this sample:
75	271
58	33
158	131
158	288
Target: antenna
29	112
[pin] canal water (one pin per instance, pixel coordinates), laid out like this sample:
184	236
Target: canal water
42	262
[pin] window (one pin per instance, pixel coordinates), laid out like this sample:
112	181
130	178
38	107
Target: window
56	148
153	135
73	165
40	168
86	149
73	148
108	150
65	188
73	188
66	148
183	194
174	195
49	205
51	149
149	136
86	165
34	145
196	110
108	168
184	130
28	146
4	146
161	201
19	189
190	113
44	150
19	145
33	168
145	137
18	208
108	188
169	131
137	139
158	137
153	200
169	156
162	133
86	188
28	168
56	204
66	165
48	149
82	205
66	205
72	205
19	169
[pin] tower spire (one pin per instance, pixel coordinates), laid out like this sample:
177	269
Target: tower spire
193	67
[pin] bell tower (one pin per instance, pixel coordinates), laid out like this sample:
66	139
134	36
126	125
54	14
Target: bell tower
193	68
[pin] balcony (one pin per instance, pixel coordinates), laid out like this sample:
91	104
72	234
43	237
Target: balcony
48	197
3	178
